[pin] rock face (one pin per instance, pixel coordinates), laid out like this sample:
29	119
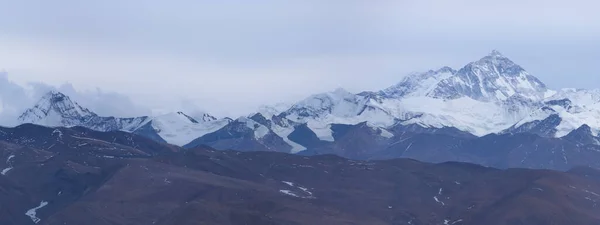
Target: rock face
80	176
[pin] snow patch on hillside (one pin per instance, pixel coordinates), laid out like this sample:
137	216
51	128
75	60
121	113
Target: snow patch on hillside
32	213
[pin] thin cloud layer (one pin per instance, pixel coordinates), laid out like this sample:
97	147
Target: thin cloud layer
16	98
230	56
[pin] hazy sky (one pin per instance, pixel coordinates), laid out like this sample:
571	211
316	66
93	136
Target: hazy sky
228	57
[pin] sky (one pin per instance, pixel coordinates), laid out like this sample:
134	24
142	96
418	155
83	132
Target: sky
227	57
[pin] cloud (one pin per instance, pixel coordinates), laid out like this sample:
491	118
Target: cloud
16	98
227	57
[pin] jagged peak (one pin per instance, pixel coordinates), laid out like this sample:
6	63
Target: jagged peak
493	77
496	54
584	128
341	91
197	118
495	60
55	96
55	92
188	117
583	135
445	69
57	104
206	117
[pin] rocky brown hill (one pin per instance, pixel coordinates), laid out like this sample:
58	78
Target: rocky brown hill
78	176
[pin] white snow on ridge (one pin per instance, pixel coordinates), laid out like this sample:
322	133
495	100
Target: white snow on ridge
419	84
485	96
337	107
537	115
583	108
55	109
178	129
467	114
385	133
268	111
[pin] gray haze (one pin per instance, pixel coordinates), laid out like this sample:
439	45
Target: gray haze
227	57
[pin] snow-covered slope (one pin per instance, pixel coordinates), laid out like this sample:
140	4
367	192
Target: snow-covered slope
338	107
573	107
485	96
57	110
268	111
492	78
180	129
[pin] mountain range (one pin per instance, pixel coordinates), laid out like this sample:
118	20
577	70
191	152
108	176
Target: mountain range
451	147
491	100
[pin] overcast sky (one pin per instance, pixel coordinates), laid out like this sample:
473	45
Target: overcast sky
229	56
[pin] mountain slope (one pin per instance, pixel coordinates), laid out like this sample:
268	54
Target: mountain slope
180	129
485	96
492	78
490	95
574	108
243	134
57	110
75	185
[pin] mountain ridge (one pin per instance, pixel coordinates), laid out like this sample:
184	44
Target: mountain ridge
486	96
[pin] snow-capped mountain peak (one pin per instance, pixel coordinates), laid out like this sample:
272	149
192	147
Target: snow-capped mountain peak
490	95
56	109
492	78
496	53
496	77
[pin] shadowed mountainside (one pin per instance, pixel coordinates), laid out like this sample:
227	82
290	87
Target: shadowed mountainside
86	177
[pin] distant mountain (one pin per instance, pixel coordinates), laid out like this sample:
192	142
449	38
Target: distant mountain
57	110
492	95
243	134
566	111
492	78
180	129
